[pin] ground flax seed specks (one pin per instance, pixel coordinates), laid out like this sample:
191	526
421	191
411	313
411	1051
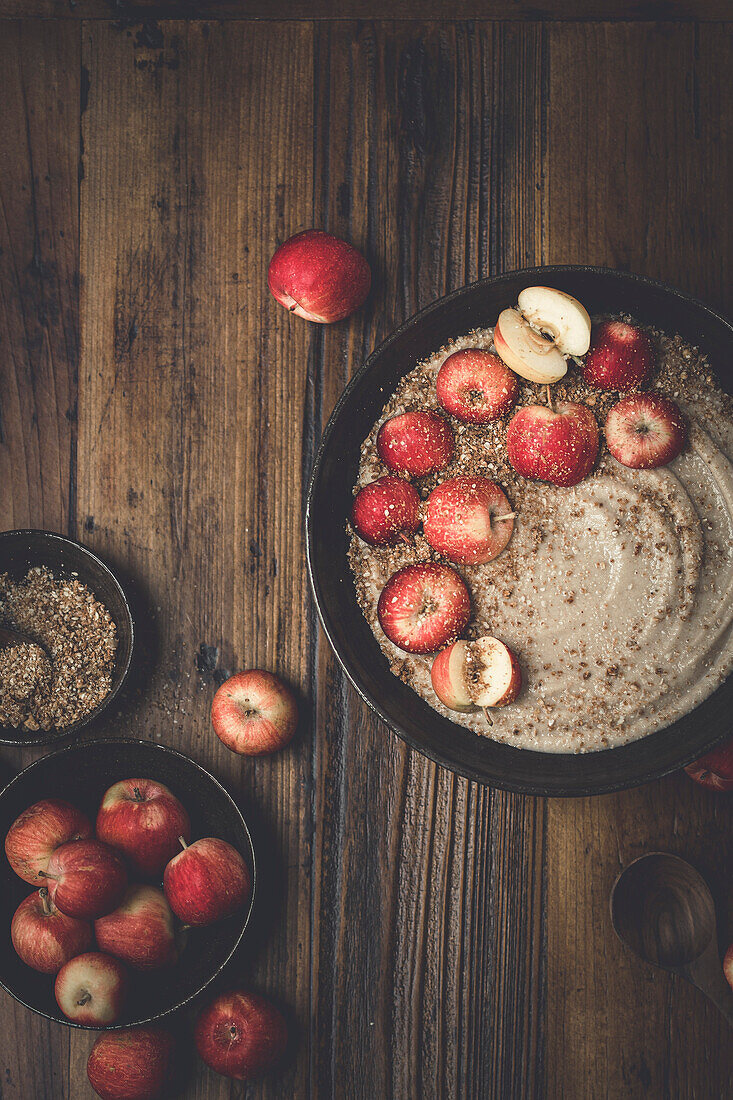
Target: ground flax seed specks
81	638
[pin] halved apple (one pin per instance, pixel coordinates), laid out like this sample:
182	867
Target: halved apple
557	315
525	351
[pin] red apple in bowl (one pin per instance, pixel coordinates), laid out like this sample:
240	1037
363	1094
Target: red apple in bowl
141	930
423	607
39	831
134	1064
207	881
86	879
240	1035
45	938
476	386
468	519
385	511
483	673
90	989
621	357
557	445
143	820
715	769
415	443
254	712
645	431
319	277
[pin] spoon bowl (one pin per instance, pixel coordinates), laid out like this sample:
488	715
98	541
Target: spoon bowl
10	637
662	908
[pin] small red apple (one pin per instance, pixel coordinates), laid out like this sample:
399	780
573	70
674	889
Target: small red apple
141	930
386	510
241	1035
715	769
424	607
468	519
475	386
319	277
207	881
645	431
415	443
90	989
483	673
254	712
134	1064
620	357
39	830
143	820
558	445
86	879
46	938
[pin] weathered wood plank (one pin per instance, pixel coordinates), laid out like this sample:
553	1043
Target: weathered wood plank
192	390
39	342
135	11
636	178
420	991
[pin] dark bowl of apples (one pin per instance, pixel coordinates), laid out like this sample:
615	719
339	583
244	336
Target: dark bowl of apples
28	549
156	919
329	507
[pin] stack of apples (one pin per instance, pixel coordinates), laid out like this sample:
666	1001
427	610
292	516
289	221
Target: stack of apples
113	900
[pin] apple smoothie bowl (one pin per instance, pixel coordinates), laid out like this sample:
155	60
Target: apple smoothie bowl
542	529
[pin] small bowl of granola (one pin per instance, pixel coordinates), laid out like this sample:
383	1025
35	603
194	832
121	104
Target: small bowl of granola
72	610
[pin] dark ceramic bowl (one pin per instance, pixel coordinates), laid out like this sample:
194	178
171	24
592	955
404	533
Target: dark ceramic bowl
329	505
19	552
81	774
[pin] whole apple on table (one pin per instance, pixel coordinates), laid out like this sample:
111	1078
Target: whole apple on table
424	608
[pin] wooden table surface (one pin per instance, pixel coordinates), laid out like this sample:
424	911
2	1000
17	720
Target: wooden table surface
428	936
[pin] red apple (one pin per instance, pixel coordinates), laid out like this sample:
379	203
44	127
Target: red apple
728	966
424	607
620	357
475	386
319	277
143	820
468	519
483	673
715	769
37	833
45	938
254	713
645	431
415	443
134	1064
240	1035
86	879
207	881
385	511
558	445
141	930
90	989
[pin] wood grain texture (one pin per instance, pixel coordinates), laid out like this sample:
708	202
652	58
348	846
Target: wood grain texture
428	937
137	11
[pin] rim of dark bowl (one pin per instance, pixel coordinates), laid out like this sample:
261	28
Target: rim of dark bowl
559	789
50	737
247	913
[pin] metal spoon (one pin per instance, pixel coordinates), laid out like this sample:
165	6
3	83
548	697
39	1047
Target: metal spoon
662	908
10	637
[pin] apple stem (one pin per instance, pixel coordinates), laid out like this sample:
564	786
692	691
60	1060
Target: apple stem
47	906
45	874
549	396
182	842
487	716
136	792
509	515
85	998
